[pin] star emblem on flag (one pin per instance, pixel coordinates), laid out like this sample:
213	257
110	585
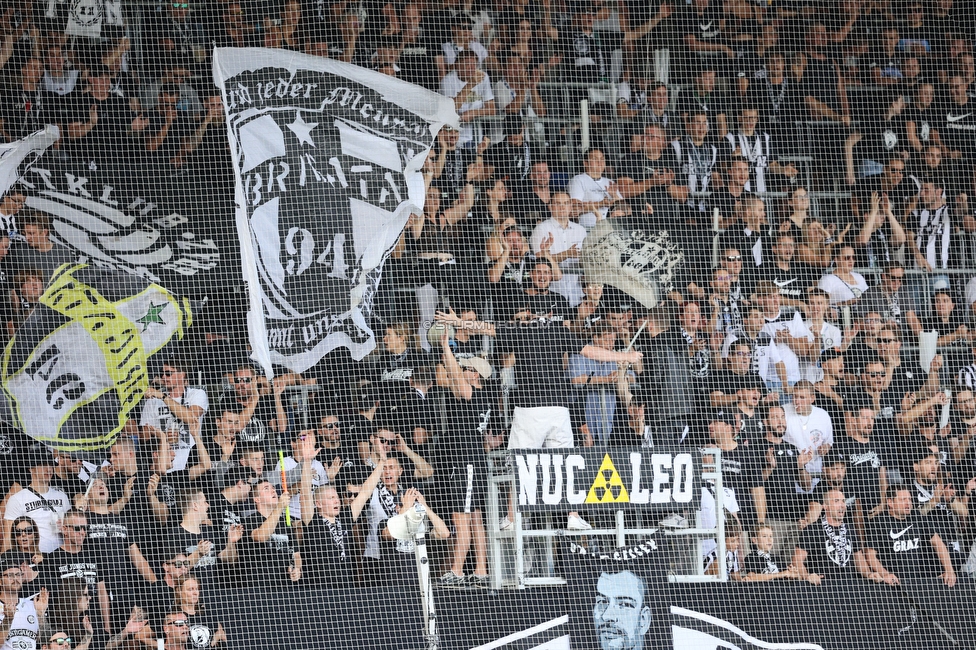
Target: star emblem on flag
152	316
302	129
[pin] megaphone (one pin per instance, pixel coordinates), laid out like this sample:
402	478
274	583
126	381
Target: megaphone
408	525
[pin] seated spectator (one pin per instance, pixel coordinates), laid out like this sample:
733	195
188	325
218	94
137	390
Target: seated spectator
881	137
561	240
833	549
753	350
735	188
826	335
462	40
644	101
537	301
388	561
761	565
844	285
517	91
593	194
68	616
533	198
39	501
733	553
650	177
903	559
470	88
515	157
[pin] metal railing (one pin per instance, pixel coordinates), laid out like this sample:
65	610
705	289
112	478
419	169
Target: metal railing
508	550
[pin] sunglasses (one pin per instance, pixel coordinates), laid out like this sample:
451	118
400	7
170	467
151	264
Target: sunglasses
242	380
25	531
387	441
734	258
180	563
330	425
897	278
883	339
178	623
60	640
181	5
79	527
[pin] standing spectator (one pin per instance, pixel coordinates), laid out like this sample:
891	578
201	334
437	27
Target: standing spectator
68	614
790	280
463	474
171	409
206	630
896	551
890	299
929	231
756	147
533	199
844	285
763	358
833	549
823	90
793	340
389	561
697	158
74	559
780	506
24	109
269	554
561	240
39	501
328	539
198	539
827	336
593	193
292	468
703	98
470	88
25	615
596	380
922	119
808	427
775	94
749	236
957	128
37	251
537	301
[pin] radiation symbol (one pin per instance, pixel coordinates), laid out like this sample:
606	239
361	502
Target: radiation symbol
607	487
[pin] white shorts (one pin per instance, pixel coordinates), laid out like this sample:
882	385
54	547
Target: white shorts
542	427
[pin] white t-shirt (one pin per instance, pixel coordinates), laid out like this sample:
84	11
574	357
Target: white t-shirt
765	356
809	432
829	336
44	509
586	189
24	627
971	291
797	329
319	477
729	502
156	414
475	98
562	240
840	291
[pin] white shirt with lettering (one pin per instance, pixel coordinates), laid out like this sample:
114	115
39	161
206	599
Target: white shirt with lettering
24	627
44	509
156	414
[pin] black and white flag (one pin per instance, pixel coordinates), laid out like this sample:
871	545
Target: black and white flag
85	17
15	157
327	157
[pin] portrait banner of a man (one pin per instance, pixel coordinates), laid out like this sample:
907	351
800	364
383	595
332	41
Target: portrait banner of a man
617	597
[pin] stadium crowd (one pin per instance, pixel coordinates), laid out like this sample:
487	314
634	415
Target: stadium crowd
787	338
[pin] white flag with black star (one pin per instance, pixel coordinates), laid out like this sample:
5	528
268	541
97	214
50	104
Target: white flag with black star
327	157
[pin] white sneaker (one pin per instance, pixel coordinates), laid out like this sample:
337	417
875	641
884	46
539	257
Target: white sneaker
575	522
505	524
674	521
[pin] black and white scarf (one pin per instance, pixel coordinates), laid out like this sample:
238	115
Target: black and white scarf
839	548
338	534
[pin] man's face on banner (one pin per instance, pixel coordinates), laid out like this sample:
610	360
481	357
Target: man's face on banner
620	618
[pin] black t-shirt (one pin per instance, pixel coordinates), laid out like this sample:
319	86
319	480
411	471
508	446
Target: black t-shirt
327	552
23	112
830	550
138	514
926	120
418	60
266	563
782	500
904	546
549	305
60	565
762	563
820	82
203	626
108	140
463	441
792	284
864	463
777	103
186	542
110	536
958	127
13	447
639	167
539	351
705	27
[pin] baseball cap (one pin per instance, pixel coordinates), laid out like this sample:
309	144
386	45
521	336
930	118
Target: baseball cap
830	354
833	457
10	560
39	456
477	363
722	415
235	475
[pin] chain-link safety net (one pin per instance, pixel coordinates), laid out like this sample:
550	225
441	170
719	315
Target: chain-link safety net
600	324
